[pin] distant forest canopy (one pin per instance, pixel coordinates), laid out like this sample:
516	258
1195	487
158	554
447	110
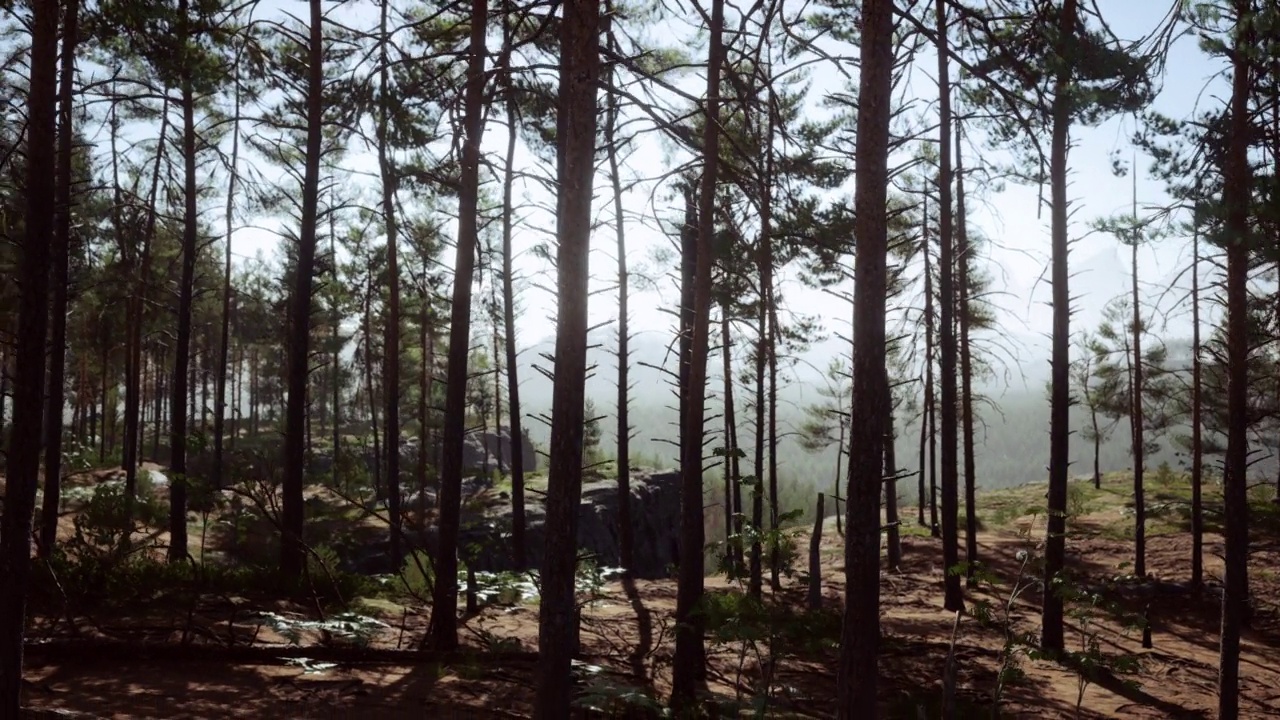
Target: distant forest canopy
1010	446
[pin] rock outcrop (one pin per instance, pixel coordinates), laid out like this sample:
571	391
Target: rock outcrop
485	540
487	450
655	521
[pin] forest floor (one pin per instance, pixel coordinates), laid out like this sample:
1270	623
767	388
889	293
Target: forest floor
232	663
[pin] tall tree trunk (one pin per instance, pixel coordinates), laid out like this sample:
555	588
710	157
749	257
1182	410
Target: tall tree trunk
576	132
336	338
954	597
689	664
1051	638
23	468
444	610
204	385
963	253
688	268
224	346
733	465
928	362
193	363
157	400
255	396
106	435
186	296
860	636
4	396
509	322
371	391
60	257
292	554
770	300
755	580
1235	194
237	390
424	393
136	316
930	407
1137	389
894	553
1197	420
626	540
391	352
499	353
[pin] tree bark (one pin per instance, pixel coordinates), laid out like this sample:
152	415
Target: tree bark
930	406
860	636
755	580
158	390
186	297
769	298
576	135
953	597
391	352
518	542
626	540
224	347
295	452
444	609
59	290
1051	638
894	537
371	392
1236	189
1135	394
22	472
336	359
689	664
815	557
733	464
136	315
963	252
1197	420
688	268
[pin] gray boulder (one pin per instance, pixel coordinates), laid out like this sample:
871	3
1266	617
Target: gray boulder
655	523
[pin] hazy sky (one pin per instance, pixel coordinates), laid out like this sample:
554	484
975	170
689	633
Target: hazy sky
1019	235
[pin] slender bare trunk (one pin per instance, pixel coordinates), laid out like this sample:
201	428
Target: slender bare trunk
1235	195
626	540
1197	420
186	297
964	253
894	539
1136	393
576	132
391	352
930	407
295	452
954	595
689	664
733	466
444	617
860	637
1051	639
136	315
59	256
33	320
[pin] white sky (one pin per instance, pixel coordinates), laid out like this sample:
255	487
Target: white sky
1009	219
